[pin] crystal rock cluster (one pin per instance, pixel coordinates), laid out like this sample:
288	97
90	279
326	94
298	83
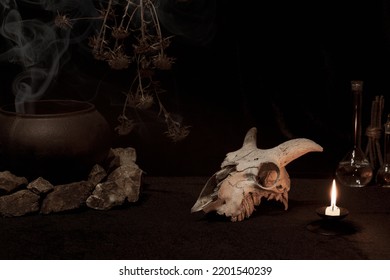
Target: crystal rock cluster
104	188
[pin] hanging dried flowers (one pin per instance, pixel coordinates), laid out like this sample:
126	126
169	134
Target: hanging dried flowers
130	33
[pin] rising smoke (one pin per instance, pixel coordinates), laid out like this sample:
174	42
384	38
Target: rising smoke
38	45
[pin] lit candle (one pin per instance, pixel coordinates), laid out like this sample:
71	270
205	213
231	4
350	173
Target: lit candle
333	210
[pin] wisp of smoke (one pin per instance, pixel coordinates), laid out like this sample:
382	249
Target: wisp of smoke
38	46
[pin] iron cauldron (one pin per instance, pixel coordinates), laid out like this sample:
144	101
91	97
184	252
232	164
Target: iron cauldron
59	140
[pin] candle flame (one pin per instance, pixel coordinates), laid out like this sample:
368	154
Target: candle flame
333	195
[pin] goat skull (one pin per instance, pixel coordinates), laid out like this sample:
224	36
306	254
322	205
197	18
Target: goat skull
249	174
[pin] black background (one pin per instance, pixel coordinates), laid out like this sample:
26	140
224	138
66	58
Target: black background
282	66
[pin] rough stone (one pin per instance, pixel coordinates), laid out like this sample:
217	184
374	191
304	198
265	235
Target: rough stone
40	186
19	203
109	184
129	178
67	197
126	155
10	182
106	196
112	162
97	174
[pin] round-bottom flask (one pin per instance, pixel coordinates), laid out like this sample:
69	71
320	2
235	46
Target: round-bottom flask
354	170
383	174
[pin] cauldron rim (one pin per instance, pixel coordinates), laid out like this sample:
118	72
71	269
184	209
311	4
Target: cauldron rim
63	107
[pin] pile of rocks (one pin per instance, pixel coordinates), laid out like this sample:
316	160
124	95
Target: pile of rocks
105	188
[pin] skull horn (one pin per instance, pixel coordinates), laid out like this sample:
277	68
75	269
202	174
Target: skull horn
293	149
250	139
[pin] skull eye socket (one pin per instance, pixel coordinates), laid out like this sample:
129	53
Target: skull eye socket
268	174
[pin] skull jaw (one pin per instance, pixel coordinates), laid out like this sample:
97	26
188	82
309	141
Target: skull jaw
239	195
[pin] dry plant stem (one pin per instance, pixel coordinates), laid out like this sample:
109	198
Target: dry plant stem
140	86
124	14
64	22
162	109
102	33
85	18
141	4
131	16
158	29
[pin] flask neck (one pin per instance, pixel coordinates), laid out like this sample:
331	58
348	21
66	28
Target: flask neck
357	89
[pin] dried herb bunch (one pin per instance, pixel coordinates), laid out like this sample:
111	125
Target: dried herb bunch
130	35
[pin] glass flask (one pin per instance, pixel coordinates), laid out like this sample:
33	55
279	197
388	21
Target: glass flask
383	174
354	170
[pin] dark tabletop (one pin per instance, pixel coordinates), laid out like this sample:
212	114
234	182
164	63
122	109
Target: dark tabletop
160	226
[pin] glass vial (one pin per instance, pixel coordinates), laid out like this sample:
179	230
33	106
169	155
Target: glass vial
354	170
383	174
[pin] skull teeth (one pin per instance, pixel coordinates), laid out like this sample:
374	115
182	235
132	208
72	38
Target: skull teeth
285	200
248	206
254	199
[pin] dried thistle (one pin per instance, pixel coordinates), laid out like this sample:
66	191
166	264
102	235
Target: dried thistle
176	131
125	125
118	59
63	22
98	52
120	33
163	62
143	47
94	42
140	101
161	44
130	33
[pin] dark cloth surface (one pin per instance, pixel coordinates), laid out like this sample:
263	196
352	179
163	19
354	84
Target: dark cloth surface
160	226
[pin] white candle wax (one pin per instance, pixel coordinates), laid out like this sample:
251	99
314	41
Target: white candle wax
333	210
